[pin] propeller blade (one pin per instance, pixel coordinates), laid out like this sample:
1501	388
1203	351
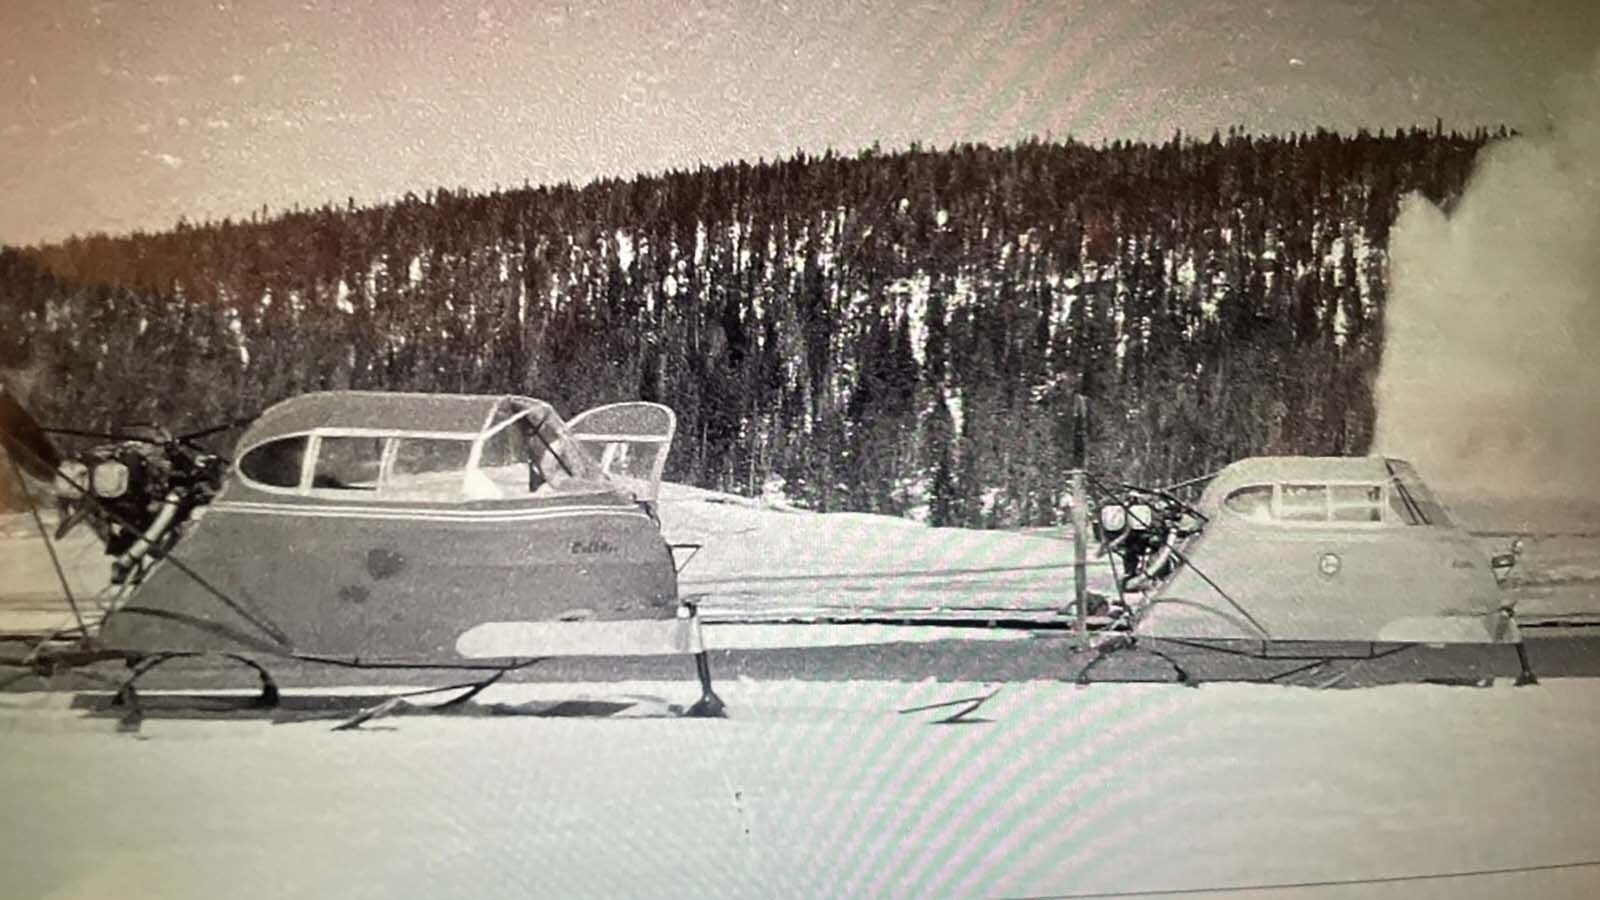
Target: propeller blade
215	429
71	519
25	439
97	435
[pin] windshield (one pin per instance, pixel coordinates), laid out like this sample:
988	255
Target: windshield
1412	498
533	452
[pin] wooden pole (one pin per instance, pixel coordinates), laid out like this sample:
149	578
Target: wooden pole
1080	516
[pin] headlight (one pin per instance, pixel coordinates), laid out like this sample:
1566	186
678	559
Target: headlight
1113	518
1141	516
110	479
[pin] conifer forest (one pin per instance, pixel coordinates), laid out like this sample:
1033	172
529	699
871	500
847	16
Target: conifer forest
895	332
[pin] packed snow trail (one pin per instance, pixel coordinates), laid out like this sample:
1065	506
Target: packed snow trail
754	558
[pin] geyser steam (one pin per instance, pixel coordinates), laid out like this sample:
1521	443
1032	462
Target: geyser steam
1491	366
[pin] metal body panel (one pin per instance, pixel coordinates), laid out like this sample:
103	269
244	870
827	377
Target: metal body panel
391	587
381	574
1325	580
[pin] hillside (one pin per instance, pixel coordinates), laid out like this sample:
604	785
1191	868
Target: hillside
884	332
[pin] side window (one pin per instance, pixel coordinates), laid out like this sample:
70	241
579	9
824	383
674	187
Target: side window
636	458
1356	503
428	456
348	463
276	463
506	447
504	461
1303	503
428	469
1254	502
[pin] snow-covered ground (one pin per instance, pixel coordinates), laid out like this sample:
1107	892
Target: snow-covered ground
826	790
754	556
30	591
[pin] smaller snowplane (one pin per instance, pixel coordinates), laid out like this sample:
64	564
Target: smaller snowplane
1322	556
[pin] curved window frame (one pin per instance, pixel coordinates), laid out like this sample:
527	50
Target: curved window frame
306	457
1275	518
391	439
1271	507
314	437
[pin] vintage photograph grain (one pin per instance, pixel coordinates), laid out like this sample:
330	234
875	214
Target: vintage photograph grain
770	448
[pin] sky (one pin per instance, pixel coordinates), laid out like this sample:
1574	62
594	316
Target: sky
129	115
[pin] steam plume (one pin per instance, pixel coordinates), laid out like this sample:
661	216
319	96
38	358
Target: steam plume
1491	368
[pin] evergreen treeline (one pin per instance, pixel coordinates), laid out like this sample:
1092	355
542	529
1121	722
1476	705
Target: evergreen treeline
891	332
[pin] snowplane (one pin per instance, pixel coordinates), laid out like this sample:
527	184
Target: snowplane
373	532
1317	558
381	531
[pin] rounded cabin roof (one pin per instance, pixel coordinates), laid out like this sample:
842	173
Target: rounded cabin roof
1297	470
465	415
